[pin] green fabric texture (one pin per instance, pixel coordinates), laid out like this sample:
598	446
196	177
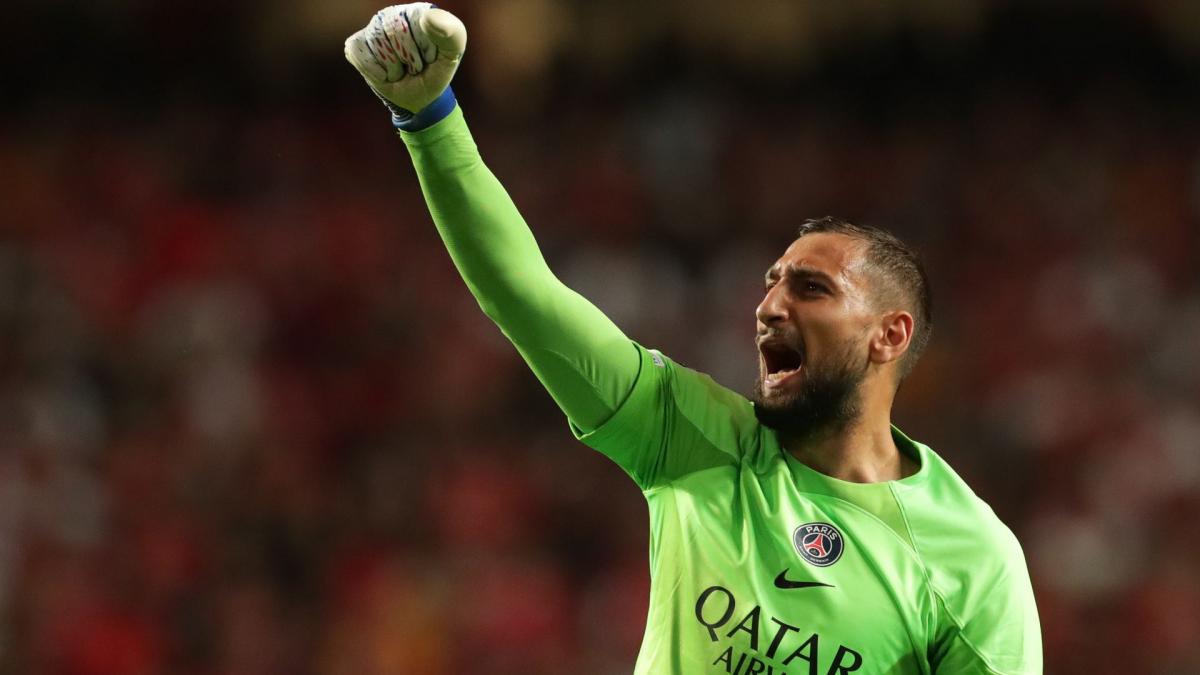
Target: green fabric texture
758	563
585	362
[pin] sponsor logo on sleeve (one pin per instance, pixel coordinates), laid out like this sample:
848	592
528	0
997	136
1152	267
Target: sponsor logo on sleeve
657	357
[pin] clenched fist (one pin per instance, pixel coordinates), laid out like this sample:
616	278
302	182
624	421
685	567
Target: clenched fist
408	54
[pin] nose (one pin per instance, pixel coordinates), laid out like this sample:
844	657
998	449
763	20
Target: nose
772	310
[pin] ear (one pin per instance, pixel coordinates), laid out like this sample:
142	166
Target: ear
892	337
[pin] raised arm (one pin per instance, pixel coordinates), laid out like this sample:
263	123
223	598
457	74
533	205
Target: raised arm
408	54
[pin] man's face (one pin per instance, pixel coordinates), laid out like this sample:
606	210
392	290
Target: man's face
813	335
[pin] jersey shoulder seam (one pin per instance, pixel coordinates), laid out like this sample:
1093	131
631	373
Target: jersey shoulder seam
912	541
736	459
959	635
941	600
912	535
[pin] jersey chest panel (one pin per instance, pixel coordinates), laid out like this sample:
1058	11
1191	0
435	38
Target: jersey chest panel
762	577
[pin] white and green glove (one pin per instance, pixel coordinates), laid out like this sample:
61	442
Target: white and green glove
408	54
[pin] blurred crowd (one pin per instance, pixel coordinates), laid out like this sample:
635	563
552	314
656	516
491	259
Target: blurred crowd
252	422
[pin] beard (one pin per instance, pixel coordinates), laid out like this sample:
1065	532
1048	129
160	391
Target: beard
828	399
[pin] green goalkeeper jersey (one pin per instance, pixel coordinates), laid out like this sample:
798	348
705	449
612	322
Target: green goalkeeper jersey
758	563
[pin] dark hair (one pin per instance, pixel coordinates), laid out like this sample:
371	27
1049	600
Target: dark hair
900	268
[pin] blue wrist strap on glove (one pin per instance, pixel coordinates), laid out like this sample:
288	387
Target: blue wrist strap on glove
428	116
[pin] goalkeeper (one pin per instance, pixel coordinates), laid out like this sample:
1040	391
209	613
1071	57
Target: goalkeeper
795	532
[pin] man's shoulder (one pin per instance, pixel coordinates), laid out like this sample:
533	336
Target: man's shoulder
950	518
676	422
987	615
959	537
705	402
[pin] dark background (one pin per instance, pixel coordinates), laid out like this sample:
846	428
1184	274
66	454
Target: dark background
252	422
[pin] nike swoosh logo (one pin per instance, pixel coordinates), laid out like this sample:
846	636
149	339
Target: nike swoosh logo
783	582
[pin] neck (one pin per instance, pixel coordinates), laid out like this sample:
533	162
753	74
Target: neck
859	451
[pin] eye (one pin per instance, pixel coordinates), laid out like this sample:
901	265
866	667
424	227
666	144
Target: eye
814	287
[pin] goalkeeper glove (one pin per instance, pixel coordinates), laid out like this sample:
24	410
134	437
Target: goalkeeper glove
408	54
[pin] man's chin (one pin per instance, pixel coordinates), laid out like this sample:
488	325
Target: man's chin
779	418
804	413
776	409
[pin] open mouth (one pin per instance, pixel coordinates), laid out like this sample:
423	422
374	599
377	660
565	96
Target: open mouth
781	361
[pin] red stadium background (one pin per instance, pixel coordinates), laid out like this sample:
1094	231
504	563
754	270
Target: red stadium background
252	422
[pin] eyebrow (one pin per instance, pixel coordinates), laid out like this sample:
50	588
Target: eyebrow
793	270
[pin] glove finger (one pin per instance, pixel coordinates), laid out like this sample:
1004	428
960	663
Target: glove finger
445	31
363	57
400	34
429	51
384	47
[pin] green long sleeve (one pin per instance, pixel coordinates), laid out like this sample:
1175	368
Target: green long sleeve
586	363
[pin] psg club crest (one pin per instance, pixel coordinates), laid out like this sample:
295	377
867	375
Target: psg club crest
820	544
